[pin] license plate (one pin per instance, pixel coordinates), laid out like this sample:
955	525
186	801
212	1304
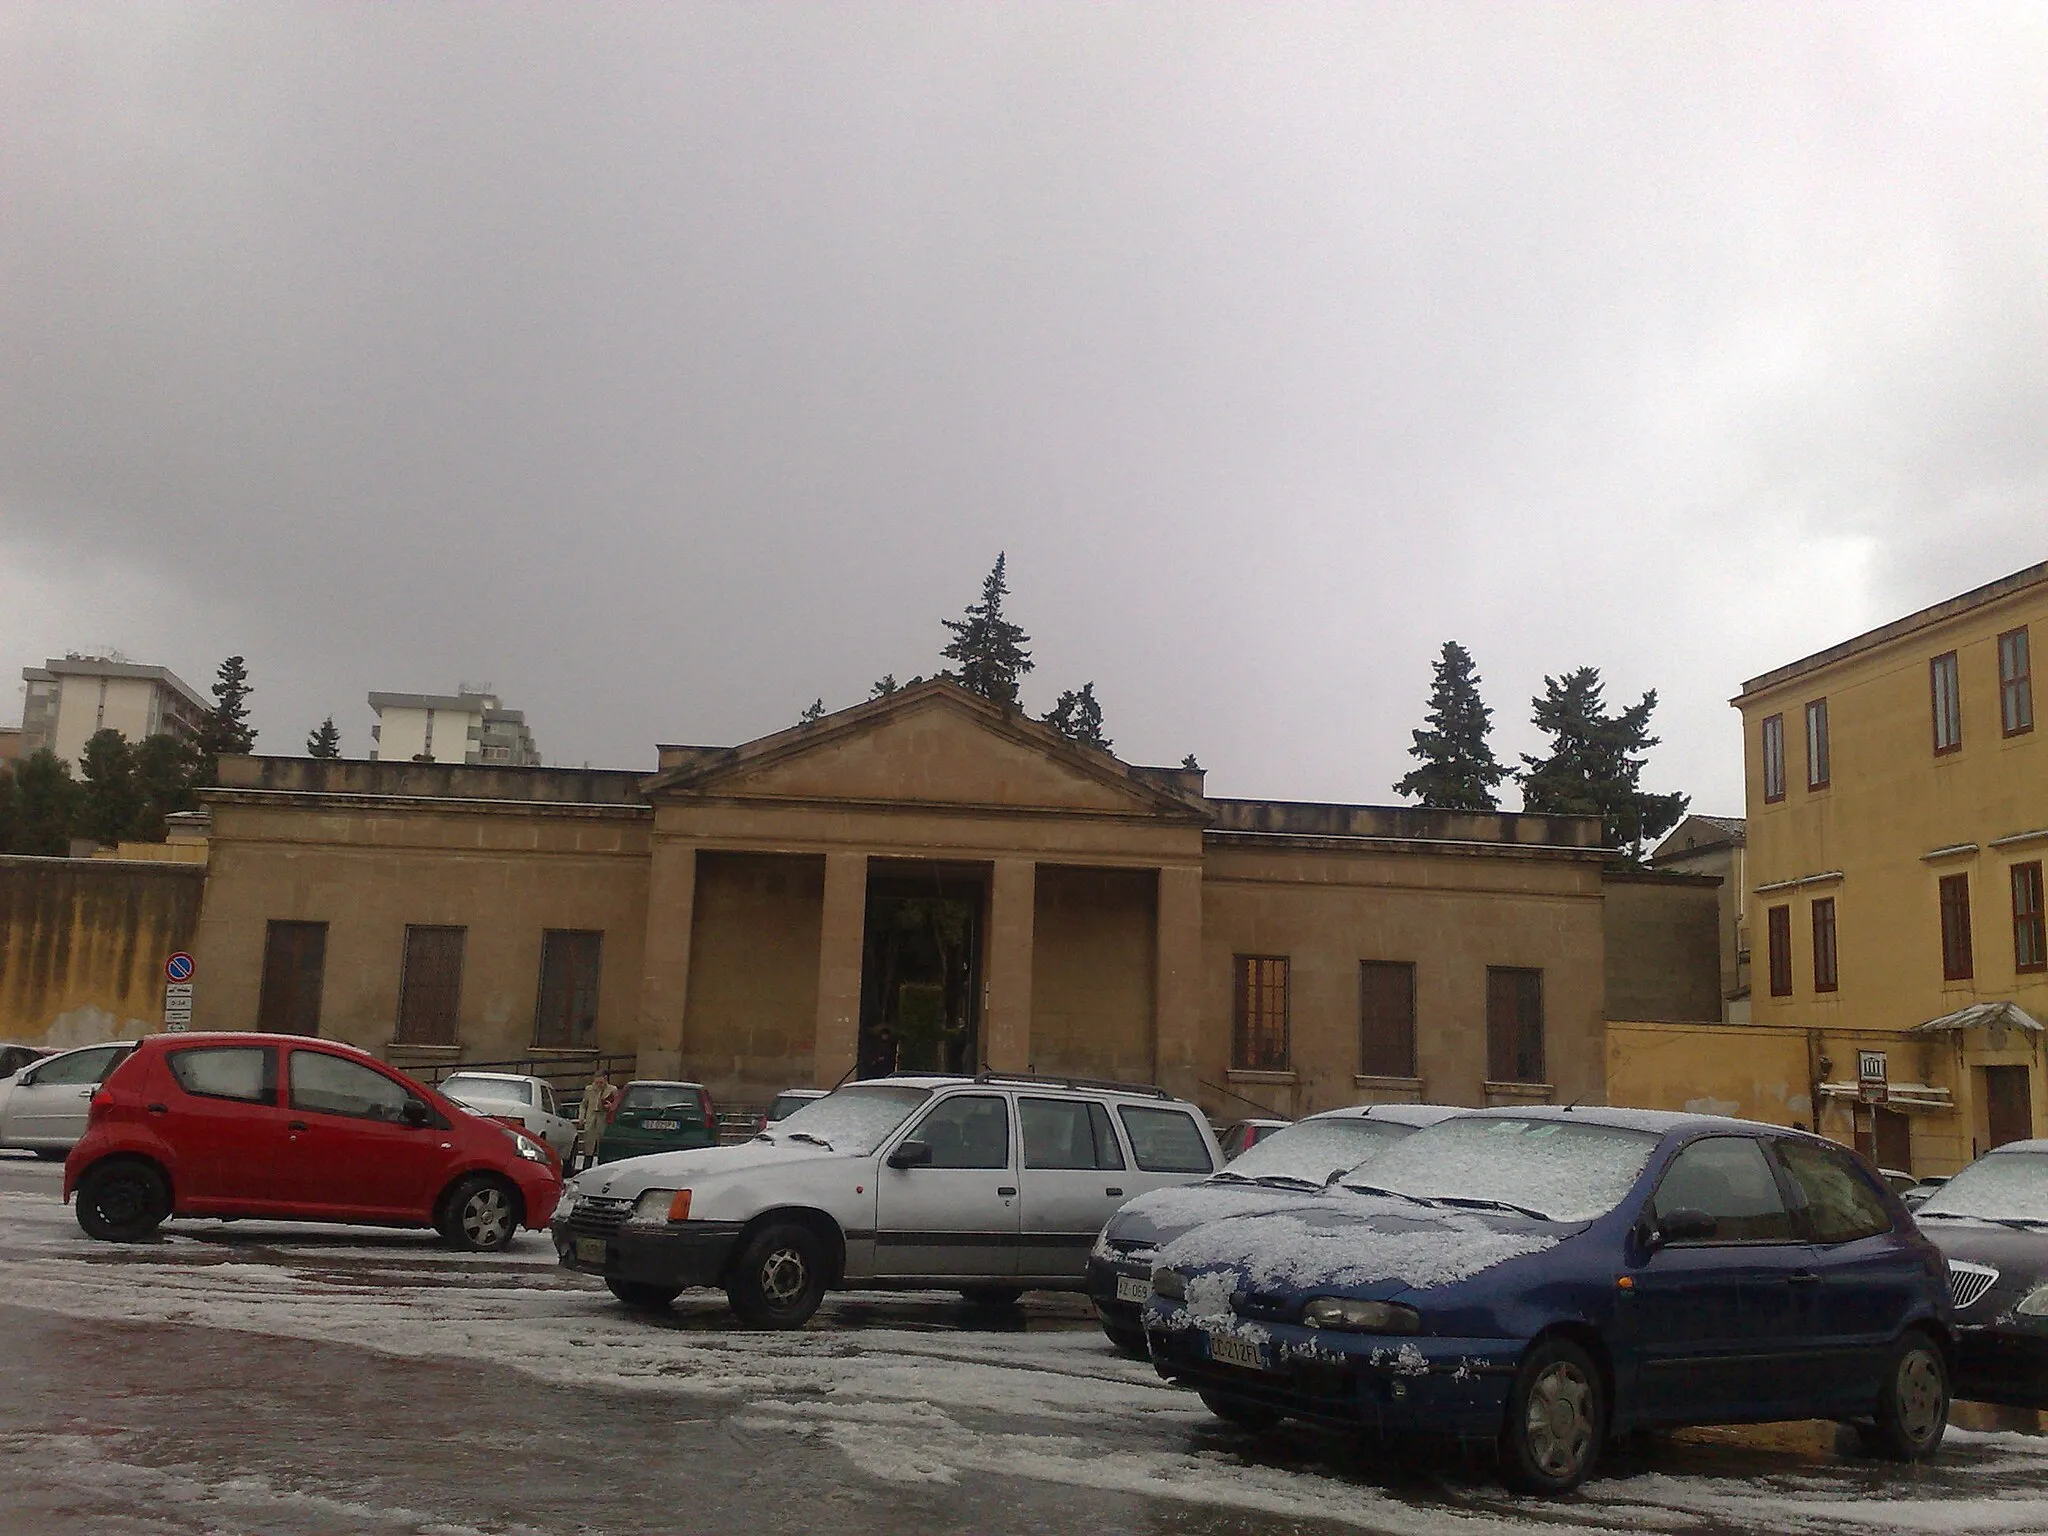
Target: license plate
590	1250
1130	1288
1225	1350
661	1125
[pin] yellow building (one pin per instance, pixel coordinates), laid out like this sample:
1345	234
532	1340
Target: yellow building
1897	792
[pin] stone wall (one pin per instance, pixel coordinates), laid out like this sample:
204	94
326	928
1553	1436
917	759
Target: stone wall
83	943
1663	946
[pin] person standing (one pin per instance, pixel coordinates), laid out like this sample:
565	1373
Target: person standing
600	1101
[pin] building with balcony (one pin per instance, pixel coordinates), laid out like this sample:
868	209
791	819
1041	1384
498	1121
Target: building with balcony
467	726
67	700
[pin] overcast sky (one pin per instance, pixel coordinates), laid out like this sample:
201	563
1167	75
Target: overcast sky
670	367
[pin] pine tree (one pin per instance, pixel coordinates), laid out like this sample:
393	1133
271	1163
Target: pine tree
225	728
324	741
108	801
1079	718
48	794
987	647
1595	764
1190	764
163	784
884	686
1458	769
814	714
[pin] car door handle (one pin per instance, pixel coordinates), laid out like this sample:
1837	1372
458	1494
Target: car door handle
1113	1191
1006	1190
1803	1277
298	1125
159	1109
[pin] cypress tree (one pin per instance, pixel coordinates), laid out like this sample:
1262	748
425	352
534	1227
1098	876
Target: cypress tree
324	741
163	784
1457	769
1595	763
987	648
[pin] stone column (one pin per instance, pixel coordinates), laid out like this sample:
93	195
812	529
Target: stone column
842	935
665	957
1177	989
1011	916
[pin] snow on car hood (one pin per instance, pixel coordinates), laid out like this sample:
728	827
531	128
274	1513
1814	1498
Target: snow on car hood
1362	1241
1161	1215
630	1175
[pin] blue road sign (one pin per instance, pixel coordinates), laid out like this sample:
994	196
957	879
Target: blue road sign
180	967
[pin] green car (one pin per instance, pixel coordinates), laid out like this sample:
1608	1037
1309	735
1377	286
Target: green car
659	1117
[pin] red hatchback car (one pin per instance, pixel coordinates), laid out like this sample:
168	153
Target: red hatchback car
283	1128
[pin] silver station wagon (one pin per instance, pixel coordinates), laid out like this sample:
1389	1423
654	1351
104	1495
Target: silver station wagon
992	1185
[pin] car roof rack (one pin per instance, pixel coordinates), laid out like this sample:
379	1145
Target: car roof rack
1099	1084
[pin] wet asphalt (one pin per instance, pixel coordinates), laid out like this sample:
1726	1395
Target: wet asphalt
166	1429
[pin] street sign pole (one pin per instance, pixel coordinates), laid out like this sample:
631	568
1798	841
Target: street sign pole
179	969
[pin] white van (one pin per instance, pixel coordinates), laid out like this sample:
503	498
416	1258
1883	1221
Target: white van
992	1185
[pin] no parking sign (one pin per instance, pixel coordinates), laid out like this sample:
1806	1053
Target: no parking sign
179	969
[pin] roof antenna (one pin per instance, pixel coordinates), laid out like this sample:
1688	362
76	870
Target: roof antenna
1571	1106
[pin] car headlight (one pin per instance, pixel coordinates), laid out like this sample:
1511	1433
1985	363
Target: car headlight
1170	1283
1360	1316
2035	1303
656	1206
530	1149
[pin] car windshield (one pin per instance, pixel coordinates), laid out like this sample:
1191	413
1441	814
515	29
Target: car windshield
653	1096
2002	1186
787	1104
1315	1149
499	1090
858	1118
1565	1171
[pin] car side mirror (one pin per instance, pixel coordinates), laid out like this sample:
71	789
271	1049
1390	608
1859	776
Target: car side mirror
416	1112
1684	1226
911	1154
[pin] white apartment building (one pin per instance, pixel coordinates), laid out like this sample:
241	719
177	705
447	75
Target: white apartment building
68	699
467	726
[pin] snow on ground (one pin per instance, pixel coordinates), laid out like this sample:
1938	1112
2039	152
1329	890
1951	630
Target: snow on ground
918	1390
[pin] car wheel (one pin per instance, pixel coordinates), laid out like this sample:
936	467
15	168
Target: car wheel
122	1201
1556	1420
53	1154
1241	1411
779	1277
636	1293
992	1296
482	1214
1129	1341
1912	1401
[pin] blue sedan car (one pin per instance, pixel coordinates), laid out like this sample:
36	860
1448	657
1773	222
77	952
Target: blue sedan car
1545	1278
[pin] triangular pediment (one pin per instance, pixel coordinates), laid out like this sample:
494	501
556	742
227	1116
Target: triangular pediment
933	744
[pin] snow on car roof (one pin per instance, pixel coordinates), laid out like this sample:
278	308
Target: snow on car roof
492	1077
661	1082
1398	1114
1658	1122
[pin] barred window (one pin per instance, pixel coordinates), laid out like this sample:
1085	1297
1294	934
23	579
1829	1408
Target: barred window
1258	1038
566	1016
430	985
1386	1018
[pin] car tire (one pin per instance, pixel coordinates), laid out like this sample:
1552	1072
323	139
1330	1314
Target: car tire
1242	1412
1912	1401
641	1295
53	1154
481	1214
992	1297
1129	1341
122	1201
779	1277
1556	1420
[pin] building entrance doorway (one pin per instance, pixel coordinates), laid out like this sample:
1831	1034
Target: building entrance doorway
2008	1105
920	979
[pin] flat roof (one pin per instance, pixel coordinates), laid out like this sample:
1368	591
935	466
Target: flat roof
464	703
1898	629
86	666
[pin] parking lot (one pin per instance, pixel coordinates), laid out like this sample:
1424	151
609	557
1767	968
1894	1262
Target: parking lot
246	1377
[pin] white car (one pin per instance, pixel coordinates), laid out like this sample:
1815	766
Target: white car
508	1096
43	1105
991	1185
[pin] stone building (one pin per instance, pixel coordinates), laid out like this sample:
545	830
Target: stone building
924	880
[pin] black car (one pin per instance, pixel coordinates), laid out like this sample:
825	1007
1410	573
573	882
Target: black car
1992	1222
